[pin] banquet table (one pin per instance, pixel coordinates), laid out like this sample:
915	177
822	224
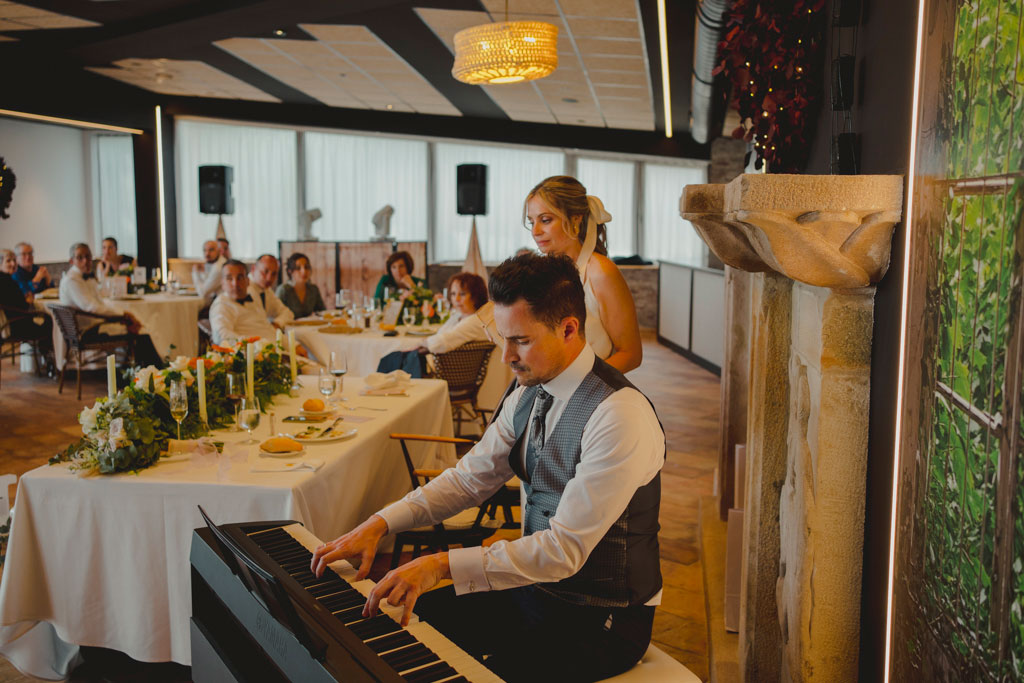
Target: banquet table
365	349
168	319
104	560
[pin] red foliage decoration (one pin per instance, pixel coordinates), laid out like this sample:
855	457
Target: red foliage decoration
771	56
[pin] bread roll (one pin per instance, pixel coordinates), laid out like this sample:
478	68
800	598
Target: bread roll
313	405
281	444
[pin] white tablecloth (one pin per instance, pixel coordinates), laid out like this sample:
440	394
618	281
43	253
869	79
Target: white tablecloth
168	319
364	351
104	561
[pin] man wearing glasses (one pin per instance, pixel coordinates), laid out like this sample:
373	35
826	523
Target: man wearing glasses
31	278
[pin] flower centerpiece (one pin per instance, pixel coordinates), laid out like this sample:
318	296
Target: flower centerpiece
421	301
130	431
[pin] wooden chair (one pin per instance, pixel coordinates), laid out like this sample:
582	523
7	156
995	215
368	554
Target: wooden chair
464	369
464	529
76	338
205	335
11	342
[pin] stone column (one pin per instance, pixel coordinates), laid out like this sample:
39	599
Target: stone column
807	422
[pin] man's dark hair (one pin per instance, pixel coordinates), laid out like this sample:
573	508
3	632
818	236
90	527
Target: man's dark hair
550	285
111	239
234	262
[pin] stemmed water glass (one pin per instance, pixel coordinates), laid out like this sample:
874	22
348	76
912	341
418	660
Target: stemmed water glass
327	383
179	402
235	392
338	368
249	416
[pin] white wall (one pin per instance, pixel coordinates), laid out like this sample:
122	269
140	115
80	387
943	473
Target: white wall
51	207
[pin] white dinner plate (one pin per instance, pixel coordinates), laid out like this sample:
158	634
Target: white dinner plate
336	435
289	454
419	332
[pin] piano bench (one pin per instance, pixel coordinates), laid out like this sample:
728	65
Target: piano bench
656	667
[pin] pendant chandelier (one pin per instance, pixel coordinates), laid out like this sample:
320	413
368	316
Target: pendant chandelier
505	52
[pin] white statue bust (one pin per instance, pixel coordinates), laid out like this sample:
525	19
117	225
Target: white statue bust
382	223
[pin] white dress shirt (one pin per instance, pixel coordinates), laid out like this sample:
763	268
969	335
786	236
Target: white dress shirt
232	320
276	311
623	448
207	278
84	294
468	329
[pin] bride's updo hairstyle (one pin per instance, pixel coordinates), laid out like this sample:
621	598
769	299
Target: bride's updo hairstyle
567	198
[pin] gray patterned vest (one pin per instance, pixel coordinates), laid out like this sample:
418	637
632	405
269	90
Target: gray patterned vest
623	569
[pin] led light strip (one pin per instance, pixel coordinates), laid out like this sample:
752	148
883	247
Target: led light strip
68	122
908	217
665	90
160	193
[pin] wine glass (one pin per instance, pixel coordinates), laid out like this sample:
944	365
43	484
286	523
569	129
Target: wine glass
179	402
327	383
338	367
249	416
235	392
408	317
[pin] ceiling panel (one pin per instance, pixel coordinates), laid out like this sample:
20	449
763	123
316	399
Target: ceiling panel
182	77
17	17
613	9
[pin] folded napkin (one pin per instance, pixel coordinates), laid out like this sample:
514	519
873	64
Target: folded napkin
288	466
381	384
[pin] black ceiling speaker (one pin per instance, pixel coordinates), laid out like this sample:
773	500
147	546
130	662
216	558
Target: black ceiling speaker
842	82
215	190
472	189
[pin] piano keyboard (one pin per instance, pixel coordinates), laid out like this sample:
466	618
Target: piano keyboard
418	653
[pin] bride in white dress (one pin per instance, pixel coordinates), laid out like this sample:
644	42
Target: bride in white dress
564	219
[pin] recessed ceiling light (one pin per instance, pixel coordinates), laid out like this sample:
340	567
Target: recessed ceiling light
280	33
570	100
390	107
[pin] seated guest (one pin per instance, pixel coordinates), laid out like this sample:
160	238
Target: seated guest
31	278
235	314
225	247
17	307
299	294
467	293
110	261
261	286
206	278
78	288
399	275
8	262
576	593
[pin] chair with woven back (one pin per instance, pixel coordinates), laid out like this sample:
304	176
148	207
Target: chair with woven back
14	334
467	528
77	341
464	368
205	335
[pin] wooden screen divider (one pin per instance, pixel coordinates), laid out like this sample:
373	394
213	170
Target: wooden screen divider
356	266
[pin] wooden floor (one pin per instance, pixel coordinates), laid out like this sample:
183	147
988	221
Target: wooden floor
35	422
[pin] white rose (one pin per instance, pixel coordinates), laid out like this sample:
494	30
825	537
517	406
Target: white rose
87	418
116	435
180	363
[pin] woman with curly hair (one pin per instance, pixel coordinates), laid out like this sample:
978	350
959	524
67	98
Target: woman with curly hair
299	294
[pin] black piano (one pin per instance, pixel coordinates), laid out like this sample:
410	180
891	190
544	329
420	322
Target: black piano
259	614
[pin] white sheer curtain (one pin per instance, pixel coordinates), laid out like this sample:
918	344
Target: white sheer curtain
264	186
615	183
511	173
114	192
667	236
350	177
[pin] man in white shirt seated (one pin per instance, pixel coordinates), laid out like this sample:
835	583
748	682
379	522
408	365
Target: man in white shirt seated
236	314
262	285
573	599
206	278
79	288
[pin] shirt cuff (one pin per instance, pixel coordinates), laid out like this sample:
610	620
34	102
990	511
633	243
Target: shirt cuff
467	569
398	516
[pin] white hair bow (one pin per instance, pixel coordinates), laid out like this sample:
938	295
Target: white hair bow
597	210
598	215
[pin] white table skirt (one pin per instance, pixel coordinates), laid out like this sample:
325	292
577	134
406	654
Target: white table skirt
364	351
169	320
104	561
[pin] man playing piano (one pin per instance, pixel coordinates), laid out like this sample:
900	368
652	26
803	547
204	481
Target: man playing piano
574	598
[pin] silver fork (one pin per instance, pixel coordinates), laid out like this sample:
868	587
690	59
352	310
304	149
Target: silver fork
382	410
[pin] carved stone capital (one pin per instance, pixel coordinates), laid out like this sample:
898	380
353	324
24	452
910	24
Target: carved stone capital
704	207
828	231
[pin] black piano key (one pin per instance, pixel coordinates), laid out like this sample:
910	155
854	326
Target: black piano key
350	615
428	674
336	603
331	588
412	657
460	679
374	626
391	641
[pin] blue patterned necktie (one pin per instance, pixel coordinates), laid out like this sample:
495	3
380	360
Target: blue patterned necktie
541	405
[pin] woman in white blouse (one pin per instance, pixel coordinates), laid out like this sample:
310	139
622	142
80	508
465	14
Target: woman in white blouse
467	293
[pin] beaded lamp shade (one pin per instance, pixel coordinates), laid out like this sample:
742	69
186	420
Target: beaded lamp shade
505	52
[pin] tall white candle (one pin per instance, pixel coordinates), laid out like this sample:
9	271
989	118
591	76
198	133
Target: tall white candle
250	377
280	343
201	385
111	376
291	356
